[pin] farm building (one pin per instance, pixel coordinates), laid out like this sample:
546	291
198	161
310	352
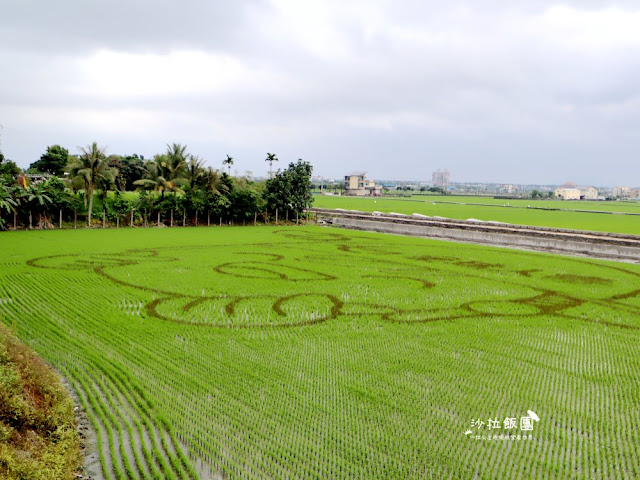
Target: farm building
567	193
588	192
571	191
356	183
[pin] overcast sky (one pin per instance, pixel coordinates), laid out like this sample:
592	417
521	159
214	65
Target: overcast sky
507	91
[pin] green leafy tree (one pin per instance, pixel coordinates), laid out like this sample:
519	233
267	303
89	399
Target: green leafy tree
145	204
60	196
62	200
128	170
244	201
195	202
119	204
290	190
8	169
53	161
218	204
170	203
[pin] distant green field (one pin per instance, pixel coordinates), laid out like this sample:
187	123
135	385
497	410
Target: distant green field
501	212
632	206
308	352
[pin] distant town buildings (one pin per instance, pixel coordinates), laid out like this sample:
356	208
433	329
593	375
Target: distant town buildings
625	192
357	184
622	192
441	178
507	189
571	191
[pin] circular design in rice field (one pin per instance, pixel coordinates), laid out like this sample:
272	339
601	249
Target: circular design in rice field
306	278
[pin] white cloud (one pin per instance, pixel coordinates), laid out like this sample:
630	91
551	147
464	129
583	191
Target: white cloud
591	30
134	76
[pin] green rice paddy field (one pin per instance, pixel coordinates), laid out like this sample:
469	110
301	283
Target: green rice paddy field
508	211
309	352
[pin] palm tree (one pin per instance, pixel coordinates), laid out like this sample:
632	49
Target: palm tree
195	171
38	198
215	190
91	166
271	157
175	161
159	177
213	182
7	201
228	162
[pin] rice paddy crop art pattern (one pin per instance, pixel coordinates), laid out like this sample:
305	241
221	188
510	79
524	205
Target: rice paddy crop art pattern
306	352
256	288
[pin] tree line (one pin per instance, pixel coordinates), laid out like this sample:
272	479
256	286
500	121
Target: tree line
173	188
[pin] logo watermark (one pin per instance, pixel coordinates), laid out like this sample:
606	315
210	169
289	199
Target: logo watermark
509	428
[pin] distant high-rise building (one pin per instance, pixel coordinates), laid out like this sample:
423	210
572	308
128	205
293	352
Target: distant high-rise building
441	178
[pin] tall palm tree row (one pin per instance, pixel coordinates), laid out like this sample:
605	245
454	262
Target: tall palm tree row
195	187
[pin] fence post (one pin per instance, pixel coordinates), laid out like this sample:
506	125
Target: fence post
287	216
255	218
132	217
118	220
158	218
75	219
184	217
15	220
60	218
171	218
208	219
297	218
220	220
104	218
276	216
196	217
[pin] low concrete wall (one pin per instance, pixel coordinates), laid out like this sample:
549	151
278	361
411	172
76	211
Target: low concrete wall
520	240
